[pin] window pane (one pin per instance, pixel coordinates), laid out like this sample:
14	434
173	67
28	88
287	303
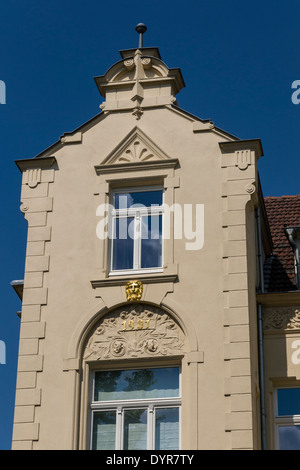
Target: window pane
135	430
137	383
123	243
288	401
167	428
104	430
151	242
143	198
289	437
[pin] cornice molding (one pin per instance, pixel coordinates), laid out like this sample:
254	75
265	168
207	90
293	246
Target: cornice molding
146	279
136	166
280	299
31	163
232	146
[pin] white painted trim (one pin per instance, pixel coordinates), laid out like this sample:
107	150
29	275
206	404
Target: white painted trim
284	420
136	213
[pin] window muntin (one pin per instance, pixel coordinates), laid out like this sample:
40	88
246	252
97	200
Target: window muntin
136	230
287	418
136	409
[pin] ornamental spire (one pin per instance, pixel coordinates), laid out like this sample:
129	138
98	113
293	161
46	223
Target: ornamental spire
141	29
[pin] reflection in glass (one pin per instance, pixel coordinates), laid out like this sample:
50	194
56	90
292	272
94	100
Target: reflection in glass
141	198
104	430
123	243
151	240
167	428
135	430
288	401
136	383
289	437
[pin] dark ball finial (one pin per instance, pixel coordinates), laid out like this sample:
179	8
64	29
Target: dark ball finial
141	28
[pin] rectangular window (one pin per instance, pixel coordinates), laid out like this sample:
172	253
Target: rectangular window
287	418
136	409
166	428
136	230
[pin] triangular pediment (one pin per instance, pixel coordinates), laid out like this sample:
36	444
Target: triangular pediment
137	147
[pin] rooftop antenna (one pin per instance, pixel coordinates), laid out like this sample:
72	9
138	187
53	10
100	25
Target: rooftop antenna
141	29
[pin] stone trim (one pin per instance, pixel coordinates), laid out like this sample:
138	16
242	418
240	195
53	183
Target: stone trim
162	172
238	163
35	205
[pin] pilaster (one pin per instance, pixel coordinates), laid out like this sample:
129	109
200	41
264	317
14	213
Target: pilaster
36	206
238	162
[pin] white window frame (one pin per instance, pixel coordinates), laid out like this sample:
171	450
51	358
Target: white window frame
136	213
284	420
151	405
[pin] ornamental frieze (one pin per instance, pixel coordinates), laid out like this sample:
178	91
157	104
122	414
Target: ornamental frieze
134	331
283	318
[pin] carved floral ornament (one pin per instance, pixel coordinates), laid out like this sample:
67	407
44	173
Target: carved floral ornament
283	318
137	147
133	331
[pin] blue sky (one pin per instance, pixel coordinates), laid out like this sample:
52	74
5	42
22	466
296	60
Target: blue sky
238	60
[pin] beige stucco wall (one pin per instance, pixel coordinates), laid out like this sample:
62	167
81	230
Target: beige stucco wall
213	298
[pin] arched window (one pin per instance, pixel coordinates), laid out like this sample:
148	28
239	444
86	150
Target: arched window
133	356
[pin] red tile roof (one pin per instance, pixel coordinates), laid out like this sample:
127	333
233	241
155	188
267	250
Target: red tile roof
283	211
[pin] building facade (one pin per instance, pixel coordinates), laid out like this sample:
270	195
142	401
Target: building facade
146	322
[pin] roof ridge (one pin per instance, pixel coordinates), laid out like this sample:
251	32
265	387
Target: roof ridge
283	196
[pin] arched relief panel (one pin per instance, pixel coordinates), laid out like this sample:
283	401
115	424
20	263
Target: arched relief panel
134	331
92	320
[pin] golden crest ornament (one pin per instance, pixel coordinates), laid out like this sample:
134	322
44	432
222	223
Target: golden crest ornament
134	291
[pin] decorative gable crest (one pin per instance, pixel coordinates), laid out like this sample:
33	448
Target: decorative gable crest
135	148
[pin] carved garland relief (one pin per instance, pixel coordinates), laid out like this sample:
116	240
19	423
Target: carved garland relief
285	318
133	331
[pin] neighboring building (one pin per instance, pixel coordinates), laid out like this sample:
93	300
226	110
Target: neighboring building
146	319
280	303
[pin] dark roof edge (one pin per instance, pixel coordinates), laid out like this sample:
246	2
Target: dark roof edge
193	116
59	143
264	213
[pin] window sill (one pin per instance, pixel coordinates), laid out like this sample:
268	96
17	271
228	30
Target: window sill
135	272
116	279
